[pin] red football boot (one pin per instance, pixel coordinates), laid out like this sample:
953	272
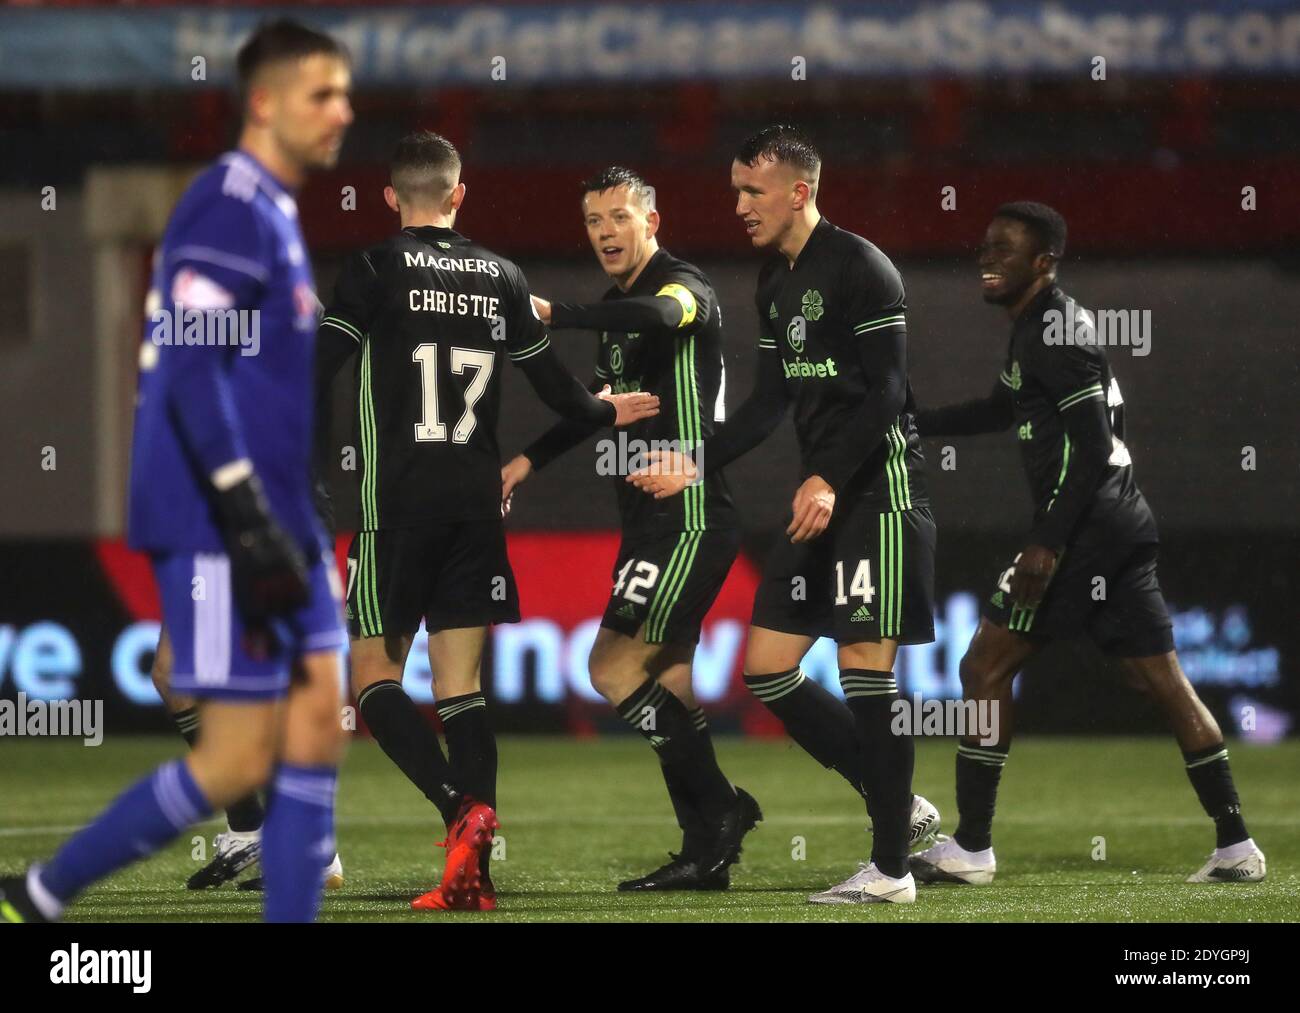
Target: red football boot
431	901
487	895
461	888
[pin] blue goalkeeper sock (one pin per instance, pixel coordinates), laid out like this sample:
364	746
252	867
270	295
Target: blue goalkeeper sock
297	841
143	819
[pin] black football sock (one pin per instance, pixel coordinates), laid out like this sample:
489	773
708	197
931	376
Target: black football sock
887	760
246	814
666	724
694	831
187	723
1210	775
822	725
472	750
243	816
979	769
471	746
409	740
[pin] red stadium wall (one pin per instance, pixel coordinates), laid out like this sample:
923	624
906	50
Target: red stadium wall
1198	208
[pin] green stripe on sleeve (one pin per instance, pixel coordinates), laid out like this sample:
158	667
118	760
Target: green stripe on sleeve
345	327
530	351
1087	394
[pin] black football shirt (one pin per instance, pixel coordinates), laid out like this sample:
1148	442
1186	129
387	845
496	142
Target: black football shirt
840	291
436	317
683	366
1046	378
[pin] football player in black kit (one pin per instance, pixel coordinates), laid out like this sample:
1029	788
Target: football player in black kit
432	318
859	563
660	331
1092	529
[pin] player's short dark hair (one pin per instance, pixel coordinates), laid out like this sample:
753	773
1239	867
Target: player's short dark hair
279	41
425	167
615	176
782	142
1045	223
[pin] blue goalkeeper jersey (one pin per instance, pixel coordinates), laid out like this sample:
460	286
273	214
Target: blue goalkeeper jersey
226	362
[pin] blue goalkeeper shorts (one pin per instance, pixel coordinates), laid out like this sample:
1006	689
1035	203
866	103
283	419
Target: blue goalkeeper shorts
210	650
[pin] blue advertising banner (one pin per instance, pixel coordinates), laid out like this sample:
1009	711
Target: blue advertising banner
79	621
610	42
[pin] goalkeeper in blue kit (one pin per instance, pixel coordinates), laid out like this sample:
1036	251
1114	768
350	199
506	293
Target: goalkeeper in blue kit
221	499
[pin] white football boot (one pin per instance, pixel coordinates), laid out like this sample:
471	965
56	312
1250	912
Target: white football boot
869	886
923	821
334	874
948	862
1238	863
234	852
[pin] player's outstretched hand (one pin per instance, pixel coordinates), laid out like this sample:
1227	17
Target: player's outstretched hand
542	308
666	473
1033	571
632	407
814	502
513	473
268	571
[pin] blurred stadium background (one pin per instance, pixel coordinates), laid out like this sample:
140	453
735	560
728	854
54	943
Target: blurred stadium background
105	110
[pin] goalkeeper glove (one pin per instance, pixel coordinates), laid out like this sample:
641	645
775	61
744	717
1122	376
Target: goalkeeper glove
268	571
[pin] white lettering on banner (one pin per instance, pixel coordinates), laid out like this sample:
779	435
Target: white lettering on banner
540	641
136	643
608	41
540	660
43	659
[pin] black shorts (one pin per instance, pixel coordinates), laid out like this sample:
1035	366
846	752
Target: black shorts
870	576
450	575
668	583
1103	587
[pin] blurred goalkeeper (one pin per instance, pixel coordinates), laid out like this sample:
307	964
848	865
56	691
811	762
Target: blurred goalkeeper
221	498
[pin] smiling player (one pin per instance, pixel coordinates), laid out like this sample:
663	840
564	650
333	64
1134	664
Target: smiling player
859	562
1091	524
431	319
660	331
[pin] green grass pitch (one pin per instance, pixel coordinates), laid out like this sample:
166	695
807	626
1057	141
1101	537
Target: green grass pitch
580	814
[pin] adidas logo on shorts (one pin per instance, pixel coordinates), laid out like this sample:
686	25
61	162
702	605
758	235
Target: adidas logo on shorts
862	615
627	612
